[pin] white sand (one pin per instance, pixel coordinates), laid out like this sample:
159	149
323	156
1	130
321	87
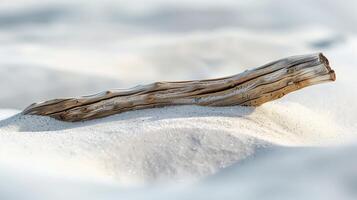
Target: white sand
88	160
172	143
229	153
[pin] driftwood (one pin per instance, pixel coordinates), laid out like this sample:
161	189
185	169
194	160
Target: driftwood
250	88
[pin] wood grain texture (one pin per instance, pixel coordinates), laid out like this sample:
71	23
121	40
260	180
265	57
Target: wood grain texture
250	88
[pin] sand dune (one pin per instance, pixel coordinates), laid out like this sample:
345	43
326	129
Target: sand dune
294	148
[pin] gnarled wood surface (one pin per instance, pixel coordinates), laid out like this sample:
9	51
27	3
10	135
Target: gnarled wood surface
250	88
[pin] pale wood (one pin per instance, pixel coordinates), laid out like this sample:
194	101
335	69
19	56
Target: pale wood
250	88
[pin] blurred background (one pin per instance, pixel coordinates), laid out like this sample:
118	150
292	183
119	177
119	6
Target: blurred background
51	48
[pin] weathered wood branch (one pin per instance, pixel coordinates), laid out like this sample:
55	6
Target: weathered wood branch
250	88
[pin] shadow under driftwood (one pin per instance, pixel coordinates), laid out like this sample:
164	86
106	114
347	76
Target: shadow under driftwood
32	123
